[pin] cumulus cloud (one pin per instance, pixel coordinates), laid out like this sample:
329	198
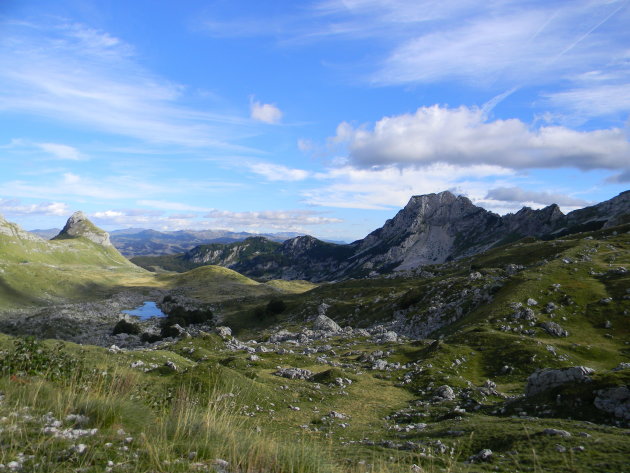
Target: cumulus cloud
516	194
277	172
16	207
265	112
352	187
464	136
61	151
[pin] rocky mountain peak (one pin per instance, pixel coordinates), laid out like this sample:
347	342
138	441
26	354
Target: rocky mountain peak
78	225
300	244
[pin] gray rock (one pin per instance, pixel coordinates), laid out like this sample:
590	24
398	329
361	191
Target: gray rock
223	332
388	337
615	401
483	456
325	323
622	366
542	380
445	393
531	301
380	365
554	329
556	432
282	336
294	373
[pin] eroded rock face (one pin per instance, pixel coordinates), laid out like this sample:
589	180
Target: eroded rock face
615	401
545	379
15	231
78	225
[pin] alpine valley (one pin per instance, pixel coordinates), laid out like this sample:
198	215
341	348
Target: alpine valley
450	339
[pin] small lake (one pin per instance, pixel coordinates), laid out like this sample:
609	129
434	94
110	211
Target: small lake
146	311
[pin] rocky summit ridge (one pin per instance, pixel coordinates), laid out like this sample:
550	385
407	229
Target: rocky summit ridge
430	229
78	225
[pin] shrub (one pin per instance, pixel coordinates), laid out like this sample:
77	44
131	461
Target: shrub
124	326
276	306
30	357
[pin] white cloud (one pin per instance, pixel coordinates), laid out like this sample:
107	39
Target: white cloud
75	74
463	136
516	194
16	207
266	220
61	151
391	187
594	99
265	112
277	172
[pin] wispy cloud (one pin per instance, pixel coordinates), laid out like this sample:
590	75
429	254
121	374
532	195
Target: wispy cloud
61	151
79	75
278	172
496	46
72	186
291	220
257	221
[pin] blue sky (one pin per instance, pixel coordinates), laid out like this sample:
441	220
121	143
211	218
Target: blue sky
322	117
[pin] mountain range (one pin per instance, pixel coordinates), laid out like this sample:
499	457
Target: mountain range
430	229
146	242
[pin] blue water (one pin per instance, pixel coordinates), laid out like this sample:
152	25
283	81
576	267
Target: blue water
146	311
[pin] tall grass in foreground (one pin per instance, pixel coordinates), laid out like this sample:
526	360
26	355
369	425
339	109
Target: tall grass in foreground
58	416
181	437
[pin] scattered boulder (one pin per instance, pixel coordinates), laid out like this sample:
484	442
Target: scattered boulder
387	337
223	332
484	455
282	336
294	373
542	380
557	432
445	393
554	329
325	323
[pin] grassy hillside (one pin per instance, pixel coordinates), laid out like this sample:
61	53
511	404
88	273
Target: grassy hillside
369	404
36	272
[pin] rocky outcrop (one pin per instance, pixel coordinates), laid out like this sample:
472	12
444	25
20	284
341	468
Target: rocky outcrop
78	225
430	229
615	401
14	231
543	380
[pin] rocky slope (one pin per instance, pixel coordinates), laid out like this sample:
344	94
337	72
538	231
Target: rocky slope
430	229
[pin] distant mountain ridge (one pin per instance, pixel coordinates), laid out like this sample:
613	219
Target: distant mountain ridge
430	229
146	242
